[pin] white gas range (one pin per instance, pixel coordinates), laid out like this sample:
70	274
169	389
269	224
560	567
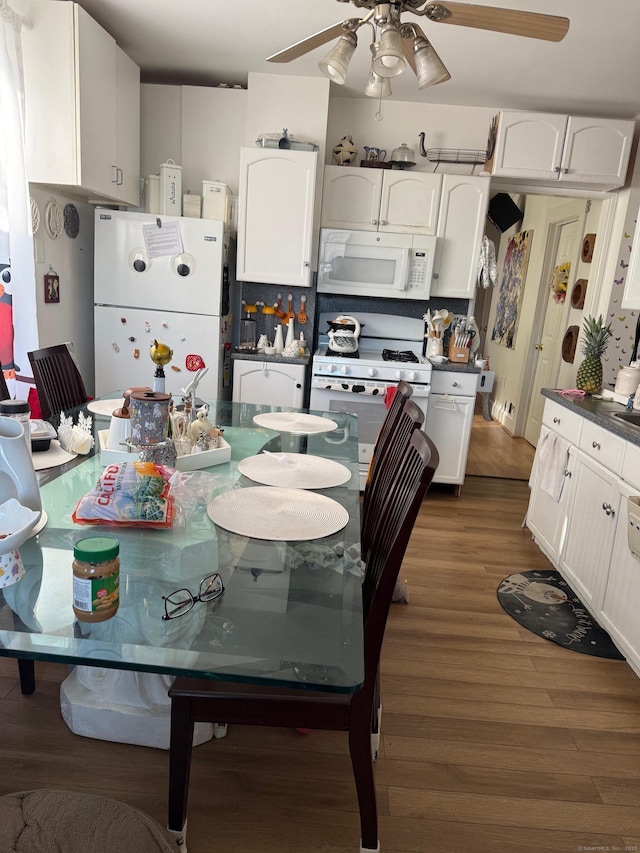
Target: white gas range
390	349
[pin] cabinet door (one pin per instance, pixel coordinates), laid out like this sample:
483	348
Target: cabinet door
275	216
596	151
127	129
593	512
461	222
351	198
448	425
268	383
546	519
619	613
409	202
96	105
529	145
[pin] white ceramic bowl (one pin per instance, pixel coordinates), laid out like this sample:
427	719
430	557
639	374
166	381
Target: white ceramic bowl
438	359
269	350
16	523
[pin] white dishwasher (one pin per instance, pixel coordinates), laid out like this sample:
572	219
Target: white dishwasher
266	382
449	419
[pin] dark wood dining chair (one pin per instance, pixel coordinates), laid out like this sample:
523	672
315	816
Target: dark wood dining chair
58	379
202	700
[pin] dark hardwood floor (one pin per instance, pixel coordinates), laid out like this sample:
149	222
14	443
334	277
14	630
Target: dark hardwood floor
492	738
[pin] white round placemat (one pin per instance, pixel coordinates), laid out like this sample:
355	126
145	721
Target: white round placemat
294	470
104	407
283	515
295	422
52	457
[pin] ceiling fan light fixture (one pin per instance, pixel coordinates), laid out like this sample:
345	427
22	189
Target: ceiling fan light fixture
388	60
430	69
336	62
377	87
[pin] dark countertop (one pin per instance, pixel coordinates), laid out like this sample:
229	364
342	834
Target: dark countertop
274	359
599	411
451	366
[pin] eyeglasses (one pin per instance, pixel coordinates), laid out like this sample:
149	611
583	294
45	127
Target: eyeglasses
181	601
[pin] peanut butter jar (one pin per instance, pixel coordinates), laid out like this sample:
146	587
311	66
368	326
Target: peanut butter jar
96	578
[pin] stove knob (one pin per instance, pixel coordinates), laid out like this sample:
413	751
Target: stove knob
329	368
411	376
372	371
344	368
398	374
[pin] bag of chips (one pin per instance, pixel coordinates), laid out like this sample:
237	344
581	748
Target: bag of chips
131	494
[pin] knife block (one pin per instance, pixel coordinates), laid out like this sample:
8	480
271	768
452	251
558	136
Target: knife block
458	355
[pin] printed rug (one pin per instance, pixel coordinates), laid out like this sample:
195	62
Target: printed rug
544	603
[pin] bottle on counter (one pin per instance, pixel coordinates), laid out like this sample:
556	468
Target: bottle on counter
96	578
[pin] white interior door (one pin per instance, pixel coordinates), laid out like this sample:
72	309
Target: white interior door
565	236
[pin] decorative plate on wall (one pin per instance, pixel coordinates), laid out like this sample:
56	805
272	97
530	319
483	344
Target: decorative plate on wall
578	293
569	343
35	215
53	219
71	220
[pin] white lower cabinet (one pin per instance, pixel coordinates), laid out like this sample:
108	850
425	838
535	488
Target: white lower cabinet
546	519
448	422
268	383
593	512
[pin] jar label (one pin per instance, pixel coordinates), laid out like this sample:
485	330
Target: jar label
95	595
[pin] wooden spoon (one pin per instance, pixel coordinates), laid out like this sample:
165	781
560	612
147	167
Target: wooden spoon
278	308
290	314
302	314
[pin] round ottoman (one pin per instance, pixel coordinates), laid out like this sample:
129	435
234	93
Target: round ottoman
50	821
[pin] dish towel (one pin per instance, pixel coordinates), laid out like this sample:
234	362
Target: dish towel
487	267
552	458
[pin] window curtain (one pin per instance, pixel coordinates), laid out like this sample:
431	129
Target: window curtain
18	319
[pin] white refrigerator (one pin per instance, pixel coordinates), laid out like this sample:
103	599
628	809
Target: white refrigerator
162	278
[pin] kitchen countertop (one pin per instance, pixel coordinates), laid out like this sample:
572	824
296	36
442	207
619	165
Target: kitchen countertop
275	359
598	410
451	366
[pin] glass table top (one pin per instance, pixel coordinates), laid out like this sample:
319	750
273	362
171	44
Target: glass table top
291	612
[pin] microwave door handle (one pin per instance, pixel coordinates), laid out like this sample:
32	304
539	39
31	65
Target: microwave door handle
405	266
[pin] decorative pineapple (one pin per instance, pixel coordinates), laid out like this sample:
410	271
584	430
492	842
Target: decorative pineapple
596	338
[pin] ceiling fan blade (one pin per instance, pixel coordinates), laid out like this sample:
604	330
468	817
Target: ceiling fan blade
531	24
311	42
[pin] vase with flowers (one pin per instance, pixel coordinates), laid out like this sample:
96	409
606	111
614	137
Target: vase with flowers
560	280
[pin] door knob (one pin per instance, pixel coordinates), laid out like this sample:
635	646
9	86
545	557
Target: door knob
539	347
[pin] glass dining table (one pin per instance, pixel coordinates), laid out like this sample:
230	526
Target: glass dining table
291	611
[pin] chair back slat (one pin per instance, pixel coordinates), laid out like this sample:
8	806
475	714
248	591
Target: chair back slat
4	391
411	418
58	379
412	477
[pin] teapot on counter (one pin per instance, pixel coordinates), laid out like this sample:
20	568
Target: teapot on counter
343	334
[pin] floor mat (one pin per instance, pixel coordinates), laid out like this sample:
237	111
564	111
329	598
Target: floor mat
544	603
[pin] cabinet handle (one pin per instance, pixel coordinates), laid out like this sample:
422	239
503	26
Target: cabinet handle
564	171
595	445
556	168
609	510
298	385
374	221
436	275
120	177
556	420
383	222
305	264
114	173
567	473
454	384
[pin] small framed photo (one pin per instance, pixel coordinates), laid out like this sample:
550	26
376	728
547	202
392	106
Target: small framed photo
52	288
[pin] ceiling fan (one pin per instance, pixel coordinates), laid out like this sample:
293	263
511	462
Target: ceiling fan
397	42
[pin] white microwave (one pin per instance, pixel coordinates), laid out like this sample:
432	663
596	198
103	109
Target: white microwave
368	263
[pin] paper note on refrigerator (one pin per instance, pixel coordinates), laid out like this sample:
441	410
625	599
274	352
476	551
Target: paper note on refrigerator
163	239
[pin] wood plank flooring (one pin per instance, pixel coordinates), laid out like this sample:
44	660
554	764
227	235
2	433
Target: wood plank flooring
492	738
493	452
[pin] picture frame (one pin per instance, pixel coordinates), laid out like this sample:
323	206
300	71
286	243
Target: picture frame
51	288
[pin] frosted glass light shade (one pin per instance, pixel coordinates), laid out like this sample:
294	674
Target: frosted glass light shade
430	69
336	62
377	87
388	60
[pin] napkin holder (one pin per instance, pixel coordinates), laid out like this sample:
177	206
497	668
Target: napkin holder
189	462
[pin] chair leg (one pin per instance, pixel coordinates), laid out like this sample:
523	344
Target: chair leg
180	747
362	764
27	671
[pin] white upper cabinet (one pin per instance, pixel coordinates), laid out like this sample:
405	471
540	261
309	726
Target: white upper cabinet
275	216
81	106
547	147
461	223
393	200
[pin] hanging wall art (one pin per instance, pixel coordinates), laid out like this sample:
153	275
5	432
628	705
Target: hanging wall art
511	288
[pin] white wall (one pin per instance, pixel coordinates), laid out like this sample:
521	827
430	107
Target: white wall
71	319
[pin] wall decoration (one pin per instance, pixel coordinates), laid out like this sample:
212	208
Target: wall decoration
52	287
587	247
511	288
53	219
569	343
578	293
35	215
560	281
71	221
